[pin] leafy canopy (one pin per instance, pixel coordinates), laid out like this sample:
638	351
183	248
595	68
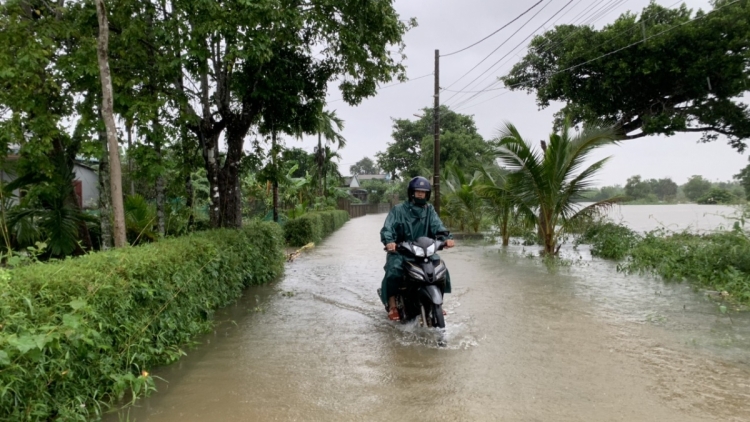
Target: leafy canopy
688	77
411	153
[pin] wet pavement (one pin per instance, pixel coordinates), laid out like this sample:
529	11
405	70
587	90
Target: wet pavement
526	342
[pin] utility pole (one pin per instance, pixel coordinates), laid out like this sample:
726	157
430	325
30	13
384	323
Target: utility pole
436	160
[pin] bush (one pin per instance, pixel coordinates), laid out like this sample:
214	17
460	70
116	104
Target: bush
78	334
716	261
313	226
608	240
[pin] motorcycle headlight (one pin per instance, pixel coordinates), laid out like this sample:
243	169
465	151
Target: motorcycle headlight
418	251
431	250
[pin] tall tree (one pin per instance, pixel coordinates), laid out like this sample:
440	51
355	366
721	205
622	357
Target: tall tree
115	172
637	188
696	187
329	127
686	76
412	149
364	166
231	44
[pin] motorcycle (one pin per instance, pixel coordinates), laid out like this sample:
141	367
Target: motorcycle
420	294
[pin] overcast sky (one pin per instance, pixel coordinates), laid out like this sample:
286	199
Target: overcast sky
450	25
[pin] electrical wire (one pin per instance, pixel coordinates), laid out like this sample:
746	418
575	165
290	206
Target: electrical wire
617	50
498	30
522	41
541	49
498	47
588	16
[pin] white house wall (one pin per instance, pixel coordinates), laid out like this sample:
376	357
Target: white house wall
89	186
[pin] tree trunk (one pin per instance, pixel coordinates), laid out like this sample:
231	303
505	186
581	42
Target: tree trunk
275	178
319	159
115	180
105	197
504	229
156	142
186	170
129	130
230	176
209	146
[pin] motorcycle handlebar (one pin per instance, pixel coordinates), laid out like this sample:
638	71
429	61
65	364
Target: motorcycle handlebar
440	247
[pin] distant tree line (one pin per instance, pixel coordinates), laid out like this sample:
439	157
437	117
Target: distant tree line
651	191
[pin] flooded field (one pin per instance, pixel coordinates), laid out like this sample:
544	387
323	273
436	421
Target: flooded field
526	342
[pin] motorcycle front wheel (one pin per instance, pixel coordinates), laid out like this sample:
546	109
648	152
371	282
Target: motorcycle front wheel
438	320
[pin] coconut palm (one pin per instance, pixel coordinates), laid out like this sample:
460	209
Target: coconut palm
547	183
497	192
463	192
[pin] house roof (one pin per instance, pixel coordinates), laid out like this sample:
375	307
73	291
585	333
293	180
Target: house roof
348	180
371	176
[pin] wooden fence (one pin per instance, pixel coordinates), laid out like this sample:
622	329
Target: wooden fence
358	210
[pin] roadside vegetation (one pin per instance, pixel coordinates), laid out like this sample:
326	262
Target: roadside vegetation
717	262
107	274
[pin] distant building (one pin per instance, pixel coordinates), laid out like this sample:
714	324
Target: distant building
350	181
86	183
363	177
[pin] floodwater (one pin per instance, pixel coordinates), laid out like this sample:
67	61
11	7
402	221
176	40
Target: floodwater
526	342
678	217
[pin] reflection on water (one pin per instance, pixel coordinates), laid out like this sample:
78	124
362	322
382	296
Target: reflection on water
525	342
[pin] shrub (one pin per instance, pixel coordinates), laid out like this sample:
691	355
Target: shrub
608	240
313	226
77	334
716	261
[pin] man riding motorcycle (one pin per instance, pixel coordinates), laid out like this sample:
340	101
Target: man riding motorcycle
408	221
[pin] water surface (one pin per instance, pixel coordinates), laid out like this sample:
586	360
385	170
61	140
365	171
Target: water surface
527	342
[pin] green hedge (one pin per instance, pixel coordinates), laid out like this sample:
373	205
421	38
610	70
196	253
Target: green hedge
78	334
313	226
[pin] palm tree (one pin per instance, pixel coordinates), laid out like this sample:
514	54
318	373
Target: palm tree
329	166
497	191
463	192
546	183
329	127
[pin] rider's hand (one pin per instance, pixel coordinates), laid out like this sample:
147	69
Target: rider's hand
450	243
390	247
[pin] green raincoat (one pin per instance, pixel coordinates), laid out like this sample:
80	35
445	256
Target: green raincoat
407	222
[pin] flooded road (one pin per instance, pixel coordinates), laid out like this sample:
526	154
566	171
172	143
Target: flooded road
526	343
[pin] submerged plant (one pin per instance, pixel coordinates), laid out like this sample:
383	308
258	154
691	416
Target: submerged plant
547	184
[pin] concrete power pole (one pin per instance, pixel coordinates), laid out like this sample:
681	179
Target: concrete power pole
436	160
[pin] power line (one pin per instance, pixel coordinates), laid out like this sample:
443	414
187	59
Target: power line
498	30
522	41
618	50
587	15
497	48
543	48
575	18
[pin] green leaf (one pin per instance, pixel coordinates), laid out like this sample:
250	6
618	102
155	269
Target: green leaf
71	321
77	304
4	358
24	343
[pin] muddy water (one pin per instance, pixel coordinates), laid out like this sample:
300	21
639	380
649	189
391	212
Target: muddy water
526	343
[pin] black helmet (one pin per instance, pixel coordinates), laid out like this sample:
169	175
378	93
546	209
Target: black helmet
419	183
